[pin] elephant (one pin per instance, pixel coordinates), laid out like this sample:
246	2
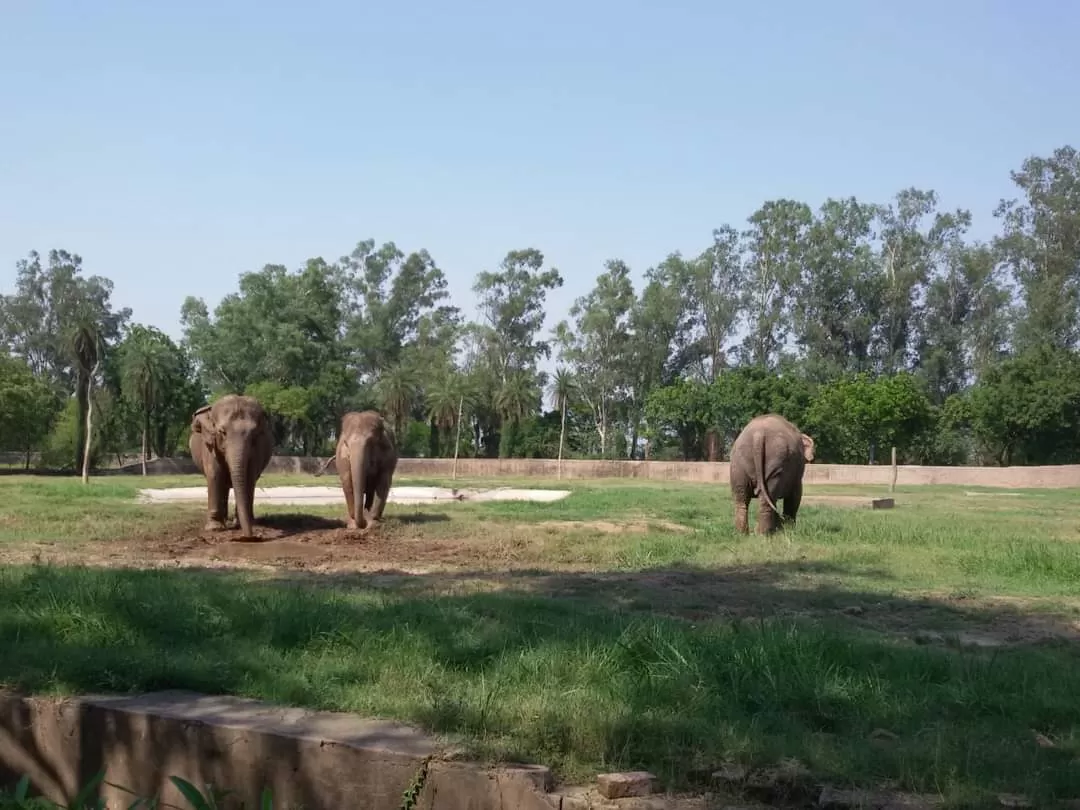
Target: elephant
366	458
768	458
231	444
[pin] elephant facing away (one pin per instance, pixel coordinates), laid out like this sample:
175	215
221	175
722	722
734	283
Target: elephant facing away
366	458
231	443
768	459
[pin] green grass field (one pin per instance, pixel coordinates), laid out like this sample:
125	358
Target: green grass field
932	648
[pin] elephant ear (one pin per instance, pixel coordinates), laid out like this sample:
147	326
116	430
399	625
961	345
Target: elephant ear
201	419
808	447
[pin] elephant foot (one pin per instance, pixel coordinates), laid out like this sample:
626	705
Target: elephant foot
214	525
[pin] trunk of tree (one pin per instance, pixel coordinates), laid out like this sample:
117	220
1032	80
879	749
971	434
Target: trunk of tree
89	429
28	458
562	436
633	440
82	395
433	438
457	440
145	440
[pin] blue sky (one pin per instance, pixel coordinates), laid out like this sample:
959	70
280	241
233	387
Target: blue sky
175	146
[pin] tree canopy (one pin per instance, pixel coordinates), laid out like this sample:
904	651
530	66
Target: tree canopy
870	323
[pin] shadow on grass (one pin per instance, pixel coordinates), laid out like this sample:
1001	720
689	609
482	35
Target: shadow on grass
672	670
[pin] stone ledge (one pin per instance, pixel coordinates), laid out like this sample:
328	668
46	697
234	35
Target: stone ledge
310	759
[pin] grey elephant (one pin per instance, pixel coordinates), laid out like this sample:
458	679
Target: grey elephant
366	458
231	444
768	459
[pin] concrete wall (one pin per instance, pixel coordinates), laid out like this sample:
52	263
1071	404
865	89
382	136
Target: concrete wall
717	472
1051	477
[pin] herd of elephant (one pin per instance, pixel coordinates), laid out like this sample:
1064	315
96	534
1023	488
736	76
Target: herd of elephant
232	441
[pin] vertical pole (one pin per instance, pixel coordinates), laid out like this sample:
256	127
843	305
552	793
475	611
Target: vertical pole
892	483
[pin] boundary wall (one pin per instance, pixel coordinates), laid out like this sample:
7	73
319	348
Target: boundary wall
1063	476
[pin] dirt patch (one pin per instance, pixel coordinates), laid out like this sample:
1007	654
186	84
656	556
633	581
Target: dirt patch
606	526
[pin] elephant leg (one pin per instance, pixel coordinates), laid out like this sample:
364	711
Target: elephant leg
740	495
345	472
253	474
217	497
766	522
791	502
382	491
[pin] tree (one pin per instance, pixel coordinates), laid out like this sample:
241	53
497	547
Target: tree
62	324
28	406
151	368
712	286
775	241
394	301
1027	409
511	302
517	398
838	292
562	388
599	339
1040	245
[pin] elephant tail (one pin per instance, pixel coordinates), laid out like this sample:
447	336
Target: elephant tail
358	467
759	449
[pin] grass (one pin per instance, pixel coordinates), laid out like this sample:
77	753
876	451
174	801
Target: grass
672	644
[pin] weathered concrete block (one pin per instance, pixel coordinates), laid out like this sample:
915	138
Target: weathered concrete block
882	503
624	785
315	760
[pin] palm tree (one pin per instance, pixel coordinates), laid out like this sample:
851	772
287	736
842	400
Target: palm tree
562	386
396	390
515	400
144	370
86	344
443	404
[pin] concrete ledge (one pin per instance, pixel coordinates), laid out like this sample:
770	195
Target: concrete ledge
317	760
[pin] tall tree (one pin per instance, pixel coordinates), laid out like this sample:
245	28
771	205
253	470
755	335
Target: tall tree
775	242
562	389
62	323
909	240
1040	245
712	288
596	346
659	336
838	292
394	302
511	303
154	376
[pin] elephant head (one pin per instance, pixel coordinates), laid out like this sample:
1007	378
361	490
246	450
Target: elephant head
808	447
235	432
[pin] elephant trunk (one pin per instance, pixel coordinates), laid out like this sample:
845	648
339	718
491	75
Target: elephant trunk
357	459
237	456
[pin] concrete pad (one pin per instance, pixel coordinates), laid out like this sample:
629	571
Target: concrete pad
331	496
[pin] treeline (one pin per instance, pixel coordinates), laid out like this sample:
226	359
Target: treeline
871	325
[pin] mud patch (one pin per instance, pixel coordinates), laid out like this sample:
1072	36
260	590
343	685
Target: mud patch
606	526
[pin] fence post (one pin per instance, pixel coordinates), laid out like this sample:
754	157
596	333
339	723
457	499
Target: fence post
892	483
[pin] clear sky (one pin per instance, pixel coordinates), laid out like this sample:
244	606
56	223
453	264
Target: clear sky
177	145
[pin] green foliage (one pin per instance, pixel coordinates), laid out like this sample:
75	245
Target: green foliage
797	311
28	406
855	419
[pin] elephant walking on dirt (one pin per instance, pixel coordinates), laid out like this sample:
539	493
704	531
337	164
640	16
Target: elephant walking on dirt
231	444
768	459
366	458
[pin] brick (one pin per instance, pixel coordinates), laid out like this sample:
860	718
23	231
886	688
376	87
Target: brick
625	785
